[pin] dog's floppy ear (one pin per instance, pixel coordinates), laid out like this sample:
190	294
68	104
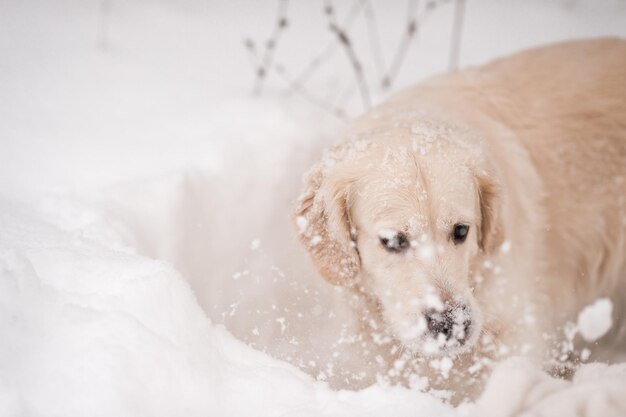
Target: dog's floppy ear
491	230
323	221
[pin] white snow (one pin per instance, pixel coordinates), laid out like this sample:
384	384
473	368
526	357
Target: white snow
594	321
92	328
302	223
147	260
445	365
517	388
506	246
426	252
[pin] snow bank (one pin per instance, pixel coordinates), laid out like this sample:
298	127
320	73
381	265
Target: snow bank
95	329
90	327
517	388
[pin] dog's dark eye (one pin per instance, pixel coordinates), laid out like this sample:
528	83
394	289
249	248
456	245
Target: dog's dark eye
459	233
397	242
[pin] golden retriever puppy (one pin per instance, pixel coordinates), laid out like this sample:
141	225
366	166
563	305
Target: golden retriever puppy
472	216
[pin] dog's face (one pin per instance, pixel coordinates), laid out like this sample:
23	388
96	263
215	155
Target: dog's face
406	225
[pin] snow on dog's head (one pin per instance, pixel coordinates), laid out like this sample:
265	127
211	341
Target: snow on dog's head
405	225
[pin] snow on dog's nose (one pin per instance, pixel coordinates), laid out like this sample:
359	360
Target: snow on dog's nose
452	324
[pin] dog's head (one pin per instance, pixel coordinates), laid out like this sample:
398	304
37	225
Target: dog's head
405	221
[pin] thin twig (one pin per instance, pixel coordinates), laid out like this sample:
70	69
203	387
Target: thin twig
414	21
337	112
315	63
403	47
357	68
271	45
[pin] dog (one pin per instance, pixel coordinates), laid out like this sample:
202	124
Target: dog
474	215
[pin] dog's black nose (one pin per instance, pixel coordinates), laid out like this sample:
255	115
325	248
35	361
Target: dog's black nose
452	322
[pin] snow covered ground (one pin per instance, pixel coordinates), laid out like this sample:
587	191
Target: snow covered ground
144	202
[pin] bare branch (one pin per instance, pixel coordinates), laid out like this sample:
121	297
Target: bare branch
271	45
403	47
322	104
263	55
301	79
414	22
357	68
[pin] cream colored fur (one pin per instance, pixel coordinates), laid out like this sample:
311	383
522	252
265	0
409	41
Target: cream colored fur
530	152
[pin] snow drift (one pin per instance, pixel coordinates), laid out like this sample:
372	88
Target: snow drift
92	328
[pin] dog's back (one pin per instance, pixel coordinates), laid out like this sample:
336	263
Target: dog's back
568	108
567	105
